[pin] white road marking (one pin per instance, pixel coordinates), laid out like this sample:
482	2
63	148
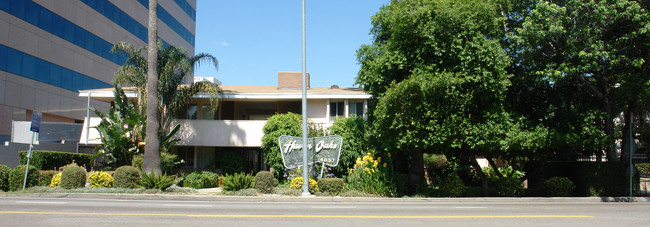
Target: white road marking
333	207
186	205
39	202
470	207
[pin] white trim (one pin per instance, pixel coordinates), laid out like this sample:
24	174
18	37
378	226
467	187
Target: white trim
264	96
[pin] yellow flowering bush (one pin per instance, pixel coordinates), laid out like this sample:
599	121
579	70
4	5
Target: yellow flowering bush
100	179
296	183
56	180
370	175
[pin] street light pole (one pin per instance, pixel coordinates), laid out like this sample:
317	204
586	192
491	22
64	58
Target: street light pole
305	173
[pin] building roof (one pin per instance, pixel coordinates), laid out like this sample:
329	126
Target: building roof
235	92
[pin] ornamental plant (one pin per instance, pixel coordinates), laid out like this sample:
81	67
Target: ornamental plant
198	180
370	175
264	182
237	181
17	176
126	177
296	183
56	180
331	185
558	186
4	177
100	179
73	176
156	181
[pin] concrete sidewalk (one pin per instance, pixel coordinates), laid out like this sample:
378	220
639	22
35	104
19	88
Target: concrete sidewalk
278	198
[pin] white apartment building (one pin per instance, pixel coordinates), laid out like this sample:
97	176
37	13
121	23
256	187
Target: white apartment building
243	110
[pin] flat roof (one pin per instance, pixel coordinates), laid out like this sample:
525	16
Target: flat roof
236	92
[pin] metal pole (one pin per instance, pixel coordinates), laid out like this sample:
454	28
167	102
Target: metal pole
29	155
305	174
87	118
629	151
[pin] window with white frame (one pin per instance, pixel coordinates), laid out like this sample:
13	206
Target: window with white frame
355	108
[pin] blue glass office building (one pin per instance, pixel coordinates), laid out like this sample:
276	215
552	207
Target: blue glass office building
49	50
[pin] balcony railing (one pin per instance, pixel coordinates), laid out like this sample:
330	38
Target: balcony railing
220	133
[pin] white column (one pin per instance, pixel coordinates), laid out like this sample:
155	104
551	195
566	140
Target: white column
347	109
327	113
365	109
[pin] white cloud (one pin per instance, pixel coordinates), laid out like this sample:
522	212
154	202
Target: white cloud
225	44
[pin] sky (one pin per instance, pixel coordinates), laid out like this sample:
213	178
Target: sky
255	39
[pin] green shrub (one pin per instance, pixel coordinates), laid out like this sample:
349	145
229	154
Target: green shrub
372	176
17	177
73	177
558	186
45	177
200	180
592	178
100	179
644	168
434	164
168	162
510	186
353	130
126	177
53	160
264	182
56	180
230	162
451	186
4	177
296	183
156	181
237	181
331	184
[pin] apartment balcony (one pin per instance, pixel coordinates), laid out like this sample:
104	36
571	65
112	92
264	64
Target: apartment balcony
220	133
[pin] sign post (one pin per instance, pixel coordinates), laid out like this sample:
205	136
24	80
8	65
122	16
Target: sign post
35	128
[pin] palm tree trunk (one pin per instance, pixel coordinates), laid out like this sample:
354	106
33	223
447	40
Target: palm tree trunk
151	162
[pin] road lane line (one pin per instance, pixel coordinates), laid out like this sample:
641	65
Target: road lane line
470	207
186	205
333	207
304	216
39	202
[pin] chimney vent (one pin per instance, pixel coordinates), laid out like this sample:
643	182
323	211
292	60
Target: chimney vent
291	80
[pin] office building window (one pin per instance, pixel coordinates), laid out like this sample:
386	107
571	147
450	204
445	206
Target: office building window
337	110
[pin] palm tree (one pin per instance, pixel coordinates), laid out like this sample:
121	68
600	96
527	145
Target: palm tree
151	162
173	66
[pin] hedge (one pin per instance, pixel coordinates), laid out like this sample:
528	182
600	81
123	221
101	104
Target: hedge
592	178
52	160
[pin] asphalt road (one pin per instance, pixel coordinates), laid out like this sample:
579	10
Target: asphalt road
27	211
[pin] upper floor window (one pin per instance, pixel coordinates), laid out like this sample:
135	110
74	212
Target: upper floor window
355	108
337	110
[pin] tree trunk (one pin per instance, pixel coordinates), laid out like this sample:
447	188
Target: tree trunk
481	174
609	131
151	162
494	167
629	119
416	172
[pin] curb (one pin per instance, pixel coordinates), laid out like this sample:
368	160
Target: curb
272	198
